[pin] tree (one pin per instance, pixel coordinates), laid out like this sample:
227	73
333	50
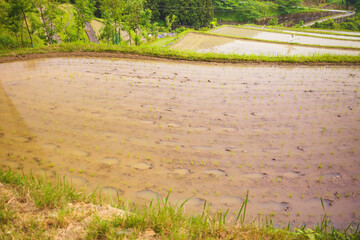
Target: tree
47	9
288	6
84	13
137	18
194	13
113	13
248	12
355	3
17	11
169	22
206	12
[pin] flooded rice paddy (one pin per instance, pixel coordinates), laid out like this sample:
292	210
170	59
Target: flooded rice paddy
289	135
219	44
285	37
311	30
347	37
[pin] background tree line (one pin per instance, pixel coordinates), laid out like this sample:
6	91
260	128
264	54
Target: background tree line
36	22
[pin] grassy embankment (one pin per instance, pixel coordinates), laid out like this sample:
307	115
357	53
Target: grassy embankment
33	208
162	52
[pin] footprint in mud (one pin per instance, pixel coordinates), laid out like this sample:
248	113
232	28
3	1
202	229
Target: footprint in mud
333	177
230	148
169	143
10	164
229	200
193	202
173	125
181	171
44	173
290	174
22	139
79	153
140	141
76	180
147	194
253	175
111	192
201	147
147	122
315	203
109	160
201	129
228	129
142	166
215	172
110	134
274	206
271	150
49	146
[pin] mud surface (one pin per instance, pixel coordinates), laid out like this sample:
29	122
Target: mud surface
219	44
289	135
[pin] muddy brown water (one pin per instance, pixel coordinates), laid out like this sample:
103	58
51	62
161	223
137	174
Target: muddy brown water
285	37
289	135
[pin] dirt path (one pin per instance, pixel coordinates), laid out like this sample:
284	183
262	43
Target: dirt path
71	16
90	33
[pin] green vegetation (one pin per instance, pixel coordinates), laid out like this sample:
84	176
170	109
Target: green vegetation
352	24
191	13
354	3
45	22
33	208
251	10
161	52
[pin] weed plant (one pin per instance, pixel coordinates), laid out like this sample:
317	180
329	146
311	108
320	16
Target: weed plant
160	218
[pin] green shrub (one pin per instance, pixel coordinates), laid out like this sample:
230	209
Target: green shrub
273	21
352	24
180	29
7	42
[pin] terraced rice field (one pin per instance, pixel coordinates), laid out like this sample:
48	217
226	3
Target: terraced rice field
308	31
286	37
219	44
289	135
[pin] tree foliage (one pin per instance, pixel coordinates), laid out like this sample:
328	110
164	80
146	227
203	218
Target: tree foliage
112	12
84	13
137	19
193	13
288	6
47	9
352	24
16	17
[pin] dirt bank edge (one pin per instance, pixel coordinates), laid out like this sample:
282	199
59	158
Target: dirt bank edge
15	56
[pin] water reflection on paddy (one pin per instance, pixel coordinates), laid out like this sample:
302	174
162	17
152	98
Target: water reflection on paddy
289	135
